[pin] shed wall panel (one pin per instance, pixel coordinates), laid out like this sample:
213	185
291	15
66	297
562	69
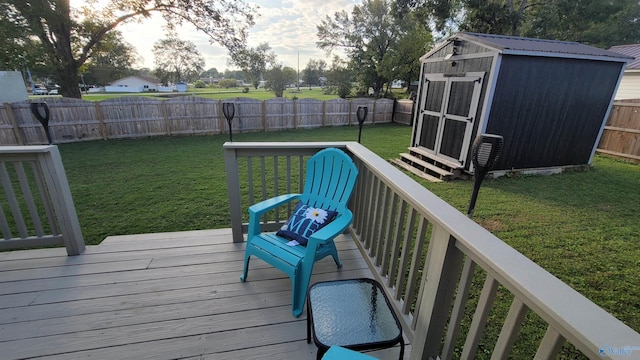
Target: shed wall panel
550	110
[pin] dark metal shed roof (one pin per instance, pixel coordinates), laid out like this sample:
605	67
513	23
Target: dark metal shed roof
529	46
632	50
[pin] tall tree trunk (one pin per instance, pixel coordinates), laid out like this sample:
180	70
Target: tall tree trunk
69	82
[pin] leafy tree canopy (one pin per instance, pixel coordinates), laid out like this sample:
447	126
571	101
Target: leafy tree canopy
177	60
254	62
593	22
68	36
374	37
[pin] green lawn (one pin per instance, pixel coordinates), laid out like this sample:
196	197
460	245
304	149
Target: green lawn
581	226
221	94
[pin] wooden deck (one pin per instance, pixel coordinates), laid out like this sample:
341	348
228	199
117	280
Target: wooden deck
156	296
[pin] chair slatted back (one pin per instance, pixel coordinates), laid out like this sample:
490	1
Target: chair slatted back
330	178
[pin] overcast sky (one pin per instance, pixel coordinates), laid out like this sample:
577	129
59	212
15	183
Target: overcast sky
288	26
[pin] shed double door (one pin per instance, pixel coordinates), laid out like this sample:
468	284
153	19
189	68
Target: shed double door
447	113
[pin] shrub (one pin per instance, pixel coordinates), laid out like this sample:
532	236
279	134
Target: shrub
199	84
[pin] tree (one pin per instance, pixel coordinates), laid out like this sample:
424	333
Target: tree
314	71
177	60
68	37
212	73
594	22
339	78
278	78
254	62
368	37
112	59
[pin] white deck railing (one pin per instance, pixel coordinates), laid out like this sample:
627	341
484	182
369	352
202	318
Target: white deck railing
37	208
427	255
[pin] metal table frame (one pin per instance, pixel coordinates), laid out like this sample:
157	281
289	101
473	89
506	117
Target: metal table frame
367	315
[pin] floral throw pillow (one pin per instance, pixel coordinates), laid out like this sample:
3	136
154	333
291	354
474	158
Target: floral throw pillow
304	222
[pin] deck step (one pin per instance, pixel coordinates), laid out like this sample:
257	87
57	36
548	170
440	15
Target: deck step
415	171
429	166
416	151
425	166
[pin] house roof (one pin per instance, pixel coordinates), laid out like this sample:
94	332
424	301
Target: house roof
632	50
514	45
148	79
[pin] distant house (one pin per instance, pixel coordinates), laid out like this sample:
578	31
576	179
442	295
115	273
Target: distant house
630	83
134	84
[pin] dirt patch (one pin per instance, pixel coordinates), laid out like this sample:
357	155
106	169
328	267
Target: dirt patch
492	225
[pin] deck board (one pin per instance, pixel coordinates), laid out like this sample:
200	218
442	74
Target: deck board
156	296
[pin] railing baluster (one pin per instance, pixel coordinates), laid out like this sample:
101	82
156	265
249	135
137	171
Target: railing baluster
459	305
390	239
374	233
46	200
384	214
252	198
28	199
368	200
406	254
275	186
510	329
415	268
13	202
550	345
480	317
397	242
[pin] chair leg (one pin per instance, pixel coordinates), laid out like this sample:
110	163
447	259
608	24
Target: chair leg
245	272
334	254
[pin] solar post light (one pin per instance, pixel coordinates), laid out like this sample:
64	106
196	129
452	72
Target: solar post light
43	118
361	115
486	150
229	110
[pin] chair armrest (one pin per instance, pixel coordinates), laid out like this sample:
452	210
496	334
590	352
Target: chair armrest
333	229
258	209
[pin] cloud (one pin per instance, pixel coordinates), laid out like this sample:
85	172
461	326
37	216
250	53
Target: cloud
288	26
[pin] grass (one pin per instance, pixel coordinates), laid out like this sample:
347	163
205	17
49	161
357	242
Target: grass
581	226
221	94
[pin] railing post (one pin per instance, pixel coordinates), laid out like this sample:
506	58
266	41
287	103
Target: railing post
58	185
438	286
233	187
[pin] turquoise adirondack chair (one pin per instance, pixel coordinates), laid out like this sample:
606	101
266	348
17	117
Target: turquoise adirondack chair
330	179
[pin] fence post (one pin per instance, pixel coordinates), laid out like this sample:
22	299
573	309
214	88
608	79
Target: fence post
295	114
373	113
233	187
167	122
324	113
264	115
16	128
101	127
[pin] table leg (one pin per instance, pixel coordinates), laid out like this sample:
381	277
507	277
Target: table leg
308	324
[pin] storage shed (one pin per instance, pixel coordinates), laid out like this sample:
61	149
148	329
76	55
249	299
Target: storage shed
548	99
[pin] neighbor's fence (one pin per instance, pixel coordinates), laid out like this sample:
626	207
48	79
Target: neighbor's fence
75	120
37	209
621	136
427	255
403	112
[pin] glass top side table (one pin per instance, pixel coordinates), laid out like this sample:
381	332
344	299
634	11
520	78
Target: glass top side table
354	314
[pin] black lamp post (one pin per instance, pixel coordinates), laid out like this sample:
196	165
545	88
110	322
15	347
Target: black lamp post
229	110
36	110
486	150
361	115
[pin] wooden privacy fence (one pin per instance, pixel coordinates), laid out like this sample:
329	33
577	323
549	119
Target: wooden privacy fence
73	120
621	136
